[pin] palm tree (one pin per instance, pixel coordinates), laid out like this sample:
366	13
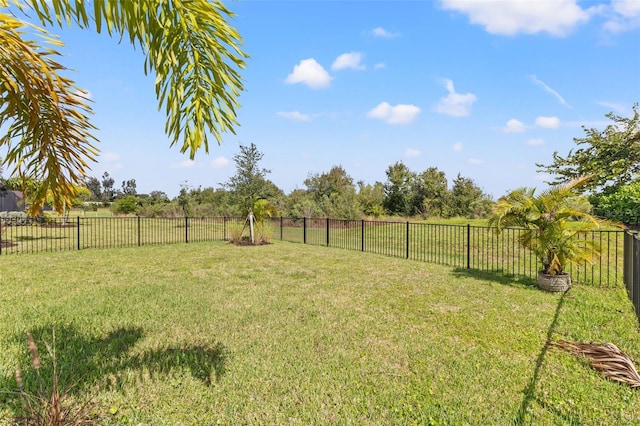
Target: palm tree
189	45
552	222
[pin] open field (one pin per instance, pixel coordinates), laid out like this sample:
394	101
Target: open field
210	333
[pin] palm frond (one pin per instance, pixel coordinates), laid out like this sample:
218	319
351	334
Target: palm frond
605	358
48	135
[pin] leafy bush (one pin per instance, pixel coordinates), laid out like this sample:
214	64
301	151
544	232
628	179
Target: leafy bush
125	205
622	205
14	218
48	219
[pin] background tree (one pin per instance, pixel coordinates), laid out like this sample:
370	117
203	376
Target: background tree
299	203
399	190
185	198
191	48
158	197
334	193
108	193
468	199
94	187
431	193
129	187
371	198
611	156
248	183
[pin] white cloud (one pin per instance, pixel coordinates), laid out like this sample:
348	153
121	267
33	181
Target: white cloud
557	17
382	33
514	126
311	73
534	142
550	90
185	164
627	8
548	122
475	161
379	66
623	15
411	153
110	156
458	146
399	114
615	106
219	162
348	61
455	104
294	115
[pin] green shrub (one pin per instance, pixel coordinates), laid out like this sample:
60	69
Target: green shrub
126	205
14	218
622	205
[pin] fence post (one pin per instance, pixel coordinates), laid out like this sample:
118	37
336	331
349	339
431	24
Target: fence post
304	230
407	239
186	229
280	228
362	235
224	228
139	237
78	232
327	232
635	259
468	246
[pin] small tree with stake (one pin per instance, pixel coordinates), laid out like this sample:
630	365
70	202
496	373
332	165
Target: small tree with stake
249	185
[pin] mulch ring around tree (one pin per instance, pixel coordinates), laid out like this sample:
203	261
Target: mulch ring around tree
245	242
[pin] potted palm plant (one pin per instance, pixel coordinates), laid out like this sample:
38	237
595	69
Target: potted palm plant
553	221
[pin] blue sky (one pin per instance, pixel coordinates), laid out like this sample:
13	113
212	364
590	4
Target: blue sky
481	88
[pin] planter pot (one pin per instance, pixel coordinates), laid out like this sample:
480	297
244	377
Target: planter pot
561	282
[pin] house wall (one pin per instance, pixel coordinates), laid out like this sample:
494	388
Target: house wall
10	201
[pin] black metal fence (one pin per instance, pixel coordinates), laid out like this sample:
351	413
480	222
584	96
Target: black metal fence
632	268
461	246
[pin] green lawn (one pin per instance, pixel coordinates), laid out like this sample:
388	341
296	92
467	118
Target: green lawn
207	333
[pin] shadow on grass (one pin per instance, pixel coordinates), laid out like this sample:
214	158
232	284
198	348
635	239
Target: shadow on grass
530	390
495	276
84	361
28	238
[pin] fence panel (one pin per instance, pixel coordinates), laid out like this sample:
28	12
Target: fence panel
462	246
441	244
34	235
344	234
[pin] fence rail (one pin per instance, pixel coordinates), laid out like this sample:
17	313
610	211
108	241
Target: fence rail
460	246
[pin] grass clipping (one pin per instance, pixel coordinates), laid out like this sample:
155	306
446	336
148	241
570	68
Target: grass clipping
607	359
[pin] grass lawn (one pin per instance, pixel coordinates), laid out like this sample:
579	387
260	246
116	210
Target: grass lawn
210	333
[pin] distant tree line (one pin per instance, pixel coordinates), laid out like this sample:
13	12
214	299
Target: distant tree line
329	194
